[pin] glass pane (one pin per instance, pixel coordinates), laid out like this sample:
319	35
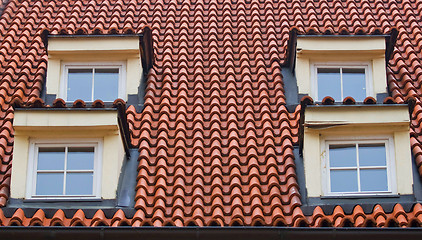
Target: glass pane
372	155
49	184
51	158
79	183
79	84
106	84
343	155
354	83
344	180
373	180
329	83
80	158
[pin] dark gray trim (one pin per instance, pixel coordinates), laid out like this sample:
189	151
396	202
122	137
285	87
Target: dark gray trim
61	204
209	233
417	181
49	98
127	180
381	97
290	86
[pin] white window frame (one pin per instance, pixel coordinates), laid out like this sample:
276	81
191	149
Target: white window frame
390	163
90	65
33	160
365	65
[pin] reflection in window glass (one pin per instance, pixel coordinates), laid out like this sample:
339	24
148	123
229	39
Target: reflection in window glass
344	181
65	171
51	158
354	83
343	155
90	84
358	167
329	83
79	84
340	83
106	82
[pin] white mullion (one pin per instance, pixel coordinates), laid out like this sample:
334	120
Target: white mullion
358	166
65	169
92	86
341	84
343	168
80	171
374	167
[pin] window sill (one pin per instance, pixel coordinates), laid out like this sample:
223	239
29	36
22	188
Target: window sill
29	200
381	195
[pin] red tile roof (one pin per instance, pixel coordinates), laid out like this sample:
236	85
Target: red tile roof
215	137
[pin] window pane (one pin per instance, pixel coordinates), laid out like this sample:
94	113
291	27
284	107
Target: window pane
79	183
374	180
80	158
106	84
372	155
344	180
49	184
343	155
354	83
329	83
51	158
79	84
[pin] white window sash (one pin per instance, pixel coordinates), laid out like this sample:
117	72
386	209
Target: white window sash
390	164
341	65
93	65
35	144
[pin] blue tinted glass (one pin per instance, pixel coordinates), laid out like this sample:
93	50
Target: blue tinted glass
79	84
329	83
372	155
373	180
49	184
354	83
51	158
106	84
344	180
80	158
79	183
343	155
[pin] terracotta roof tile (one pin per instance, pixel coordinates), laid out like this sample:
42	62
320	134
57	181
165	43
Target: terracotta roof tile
215	138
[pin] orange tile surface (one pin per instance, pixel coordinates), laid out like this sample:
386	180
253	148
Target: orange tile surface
215	138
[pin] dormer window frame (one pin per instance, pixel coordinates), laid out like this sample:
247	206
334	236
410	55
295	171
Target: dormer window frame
341	65
121	65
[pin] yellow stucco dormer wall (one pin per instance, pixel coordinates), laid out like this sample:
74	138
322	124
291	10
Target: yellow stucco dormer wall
62	125
96	50
356	122
338	51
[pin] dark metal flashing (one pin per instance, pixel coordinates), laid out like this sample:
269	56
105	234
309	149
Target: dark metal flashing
381	96
209	233
290	86
127	181
15	203
48	98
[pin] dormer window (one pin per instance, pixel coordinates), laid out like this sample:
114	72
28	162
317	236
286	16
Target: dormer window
341	67
100	81
340	81
93	67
